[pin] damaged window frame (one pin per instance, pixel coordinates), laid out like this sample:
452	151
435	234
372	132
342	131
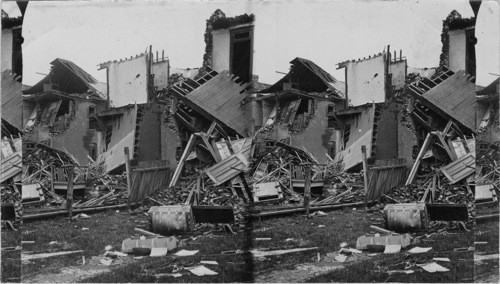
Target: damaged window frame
234	40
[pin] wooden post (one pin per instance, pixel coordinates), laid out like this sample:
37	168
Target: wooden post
69	196
129	179
365	168
307	188
421	154
178	169
198	187
433	192
52	179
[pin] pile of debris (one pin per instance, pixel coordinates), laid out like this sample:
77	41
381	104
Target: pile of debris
46	177
11	149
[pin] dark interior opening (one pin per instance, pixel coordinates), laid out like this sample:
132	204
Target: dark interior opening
64	108
241	55
347	133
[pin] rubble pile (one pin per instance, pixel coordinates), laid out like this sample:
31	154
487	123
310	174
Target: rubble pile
41	164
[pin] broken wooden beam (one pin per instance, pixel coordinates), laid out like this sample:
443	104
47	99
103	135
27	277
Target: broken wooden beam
45	255
421	154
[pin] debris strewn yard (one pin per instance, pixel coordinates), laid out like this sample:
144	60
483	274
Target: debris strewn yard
164	174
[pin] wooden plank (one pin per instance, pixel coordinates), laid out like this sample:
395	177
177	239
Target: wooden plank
365	168
307	188
446	147
69	197
180	165
227	168
421	154
461	168
129	177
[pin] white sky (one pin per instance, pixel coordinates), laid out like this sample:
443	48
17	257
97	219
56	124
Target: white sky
327	33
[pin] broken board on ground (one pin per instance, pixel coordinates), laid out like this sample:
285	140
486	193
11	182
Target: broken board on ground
267	192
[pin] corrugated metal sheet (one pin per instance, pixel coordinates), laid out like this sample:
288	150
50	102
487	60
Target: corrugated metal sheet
227	168
12	100
460	168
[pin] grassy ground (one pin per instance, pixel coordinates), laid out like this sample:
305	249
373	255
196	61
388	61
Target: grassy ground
325	232
107	228
375	269
11	259
488	232
346	226
339	226
111	228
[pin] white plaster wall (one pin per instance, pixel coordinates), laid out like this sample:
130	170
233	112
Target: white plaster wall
128	82
365	81
457	50
351	156
398	70
221	50
6	49
160	70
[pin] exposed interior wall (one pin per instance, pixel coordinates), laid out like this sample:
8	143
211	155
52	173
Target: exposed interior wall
221	50
122	135
6	49
457	50
365	81
316	137
77	137
122	126
128	82
160	71
149	144
398	71
360	124
360	133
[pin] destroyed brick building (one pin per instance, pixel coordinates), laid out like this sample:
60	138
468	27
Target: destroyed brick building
295	109
213	145
59	111
372	116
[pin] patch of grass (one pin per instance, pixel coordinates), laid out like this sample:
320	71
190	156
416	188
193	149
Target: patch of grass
110	228
344	225
104	228
487	232
230	268
461	264
11	260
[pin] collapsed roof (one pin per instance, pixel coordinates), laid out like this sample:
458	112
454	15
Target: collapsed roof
69	78
12	100
451	95
307	76
218	97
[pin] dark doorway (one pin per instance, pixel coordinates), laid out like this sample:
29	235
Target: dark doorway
241	53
